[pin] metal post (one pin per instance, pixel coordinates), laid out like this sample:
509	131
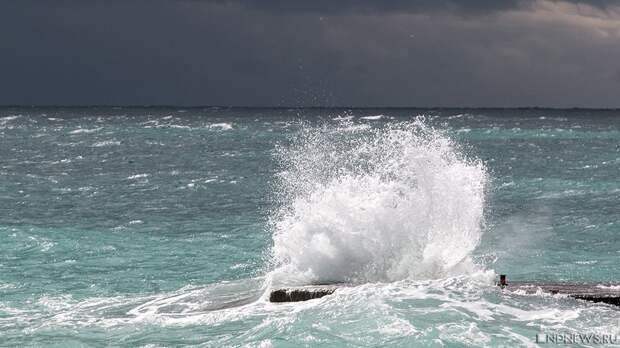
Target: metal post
502	280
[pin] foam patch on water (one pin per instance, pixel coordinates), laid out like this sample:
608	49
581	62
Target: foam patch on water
380	204
138	176
107	143
221	126
373	118
6	119
403	313
85	130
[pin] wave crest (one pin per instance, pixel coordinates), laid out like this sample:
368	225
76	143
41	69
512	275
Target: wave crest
382	204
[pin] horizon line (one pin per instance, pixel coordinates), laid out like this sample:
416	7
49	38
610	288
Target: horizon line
77	106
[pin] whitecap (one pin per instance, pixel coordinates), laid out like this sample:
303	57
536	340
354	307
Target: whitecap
85	130
107	143
177	126
138	176
221	126
7	286
9	118
356	128
609	287
343	118
373	118
590	262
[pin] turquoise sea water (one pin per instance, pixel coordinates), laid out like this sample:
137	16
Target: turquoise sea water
158	227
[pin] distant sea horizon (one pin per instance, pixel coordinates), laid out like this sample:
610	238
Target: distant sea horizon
343	107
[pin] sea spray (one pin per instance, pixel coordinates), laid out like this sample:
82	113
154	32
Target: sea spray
398	201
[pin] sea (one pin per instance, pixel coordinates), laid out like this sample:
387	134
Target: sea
169	226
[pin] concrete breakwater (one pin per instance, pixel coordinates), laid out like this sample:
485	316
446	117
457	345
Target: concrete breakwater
605	293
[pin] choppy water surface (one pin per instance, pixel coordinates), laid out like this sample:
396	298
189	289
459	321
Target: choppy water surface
167	227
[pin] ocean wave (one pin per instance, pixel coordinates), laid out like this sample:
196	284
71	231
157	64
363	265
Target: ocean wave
372	118
85	130
5	122
221	126
107	143
443	311
355	127
343	118
6	119
138	176
379	205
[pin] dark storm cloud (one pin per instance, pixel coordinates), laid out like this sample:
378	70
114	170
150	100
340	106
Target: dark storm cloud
372	6
445	53
382	6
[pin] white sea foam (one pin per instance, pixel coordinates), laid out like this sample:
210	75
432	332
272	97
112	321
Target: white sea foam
463	309
609	287
177	126
376	205
6	286
373	118
107	143
355	127
138	176
343	118
221	126
85	130
9	118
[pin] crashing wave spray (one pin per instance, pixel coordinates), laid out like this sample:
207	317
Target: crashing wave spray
375	204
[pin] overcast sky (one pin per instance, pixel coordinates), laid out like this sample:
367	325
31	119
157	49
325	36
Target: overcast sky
314	52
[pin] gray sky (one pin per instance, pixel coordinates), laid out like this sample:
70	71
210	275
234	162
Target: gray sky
319	52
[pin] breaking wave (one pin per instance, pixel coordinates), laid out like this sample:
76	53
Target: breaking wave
372	205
